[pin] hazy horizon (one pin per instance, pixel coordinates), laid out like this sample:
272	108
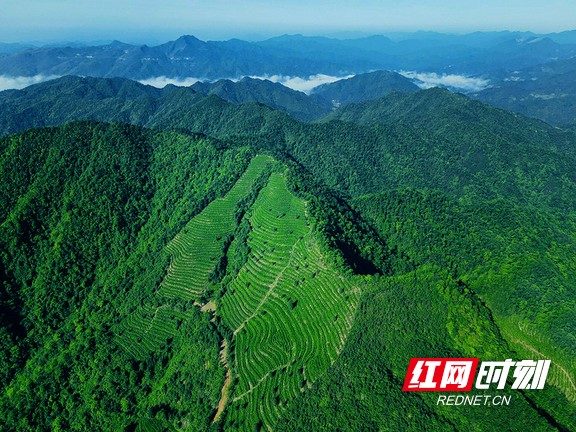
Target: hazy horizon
56	21
153	41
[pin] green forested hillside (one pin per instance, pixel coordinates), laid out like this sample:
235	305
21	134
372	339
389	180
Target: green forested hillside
113	239
414	315
431	137
516	258
280	277
116	99
87	211
72	98
120	100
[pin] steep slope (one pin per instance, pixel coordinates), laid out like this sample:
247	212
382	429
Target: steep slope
509	254
474	139
363	87
194	254
421	314
510	184
289	309
119	242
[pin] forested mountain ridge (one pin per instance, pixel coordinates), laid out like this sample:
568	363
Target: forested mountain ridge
50	103
274	95
368	86
97	235
83	229
428	198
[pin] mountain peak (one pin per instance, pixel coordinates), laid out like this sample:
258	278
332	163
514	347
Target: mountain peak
184	46
188	39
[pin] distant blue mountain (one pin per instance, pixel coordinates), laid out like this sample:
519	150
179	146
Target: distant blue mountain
294	55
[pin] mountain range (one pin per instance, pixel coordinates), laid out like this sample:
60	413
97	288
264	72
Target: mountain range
293	55
546	91
44	104
237	255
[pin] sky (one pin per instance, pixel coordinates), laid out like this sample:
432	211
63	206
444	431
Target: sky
147	21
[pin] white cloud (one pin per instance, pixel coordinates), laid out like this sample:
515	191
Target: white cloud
459	82
8	82
305	84
162	81
302	84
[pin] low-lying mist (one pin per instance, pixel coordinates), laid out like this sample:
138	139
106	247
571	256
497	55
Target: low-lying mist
457	82
303	84
17	83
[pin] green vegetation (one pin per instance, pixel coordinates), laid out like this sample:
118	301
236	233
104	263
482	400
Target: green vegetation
194	253
288	308
490	246
121	343
87	211
424	313
197	248
321	256
284	307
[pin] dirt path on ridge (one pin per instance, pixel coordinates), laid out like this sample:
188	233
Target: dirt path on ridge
227	382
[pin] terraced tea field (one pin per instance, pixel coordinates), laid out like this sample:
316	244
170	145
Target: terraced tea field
148	328
289	310
195	252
